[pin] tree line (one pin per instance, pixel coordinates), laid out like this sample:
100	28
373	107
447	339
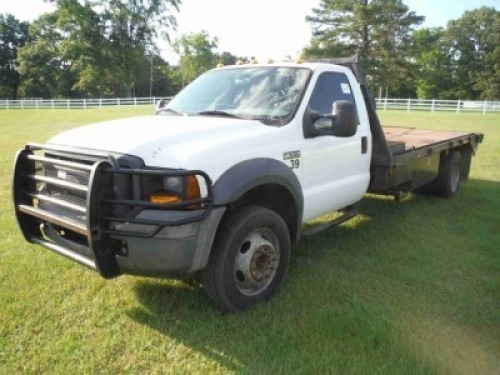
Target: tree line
106	48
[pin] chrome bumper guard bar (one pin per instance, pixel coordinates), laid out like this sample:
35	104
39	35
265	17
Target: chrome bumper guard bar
94	217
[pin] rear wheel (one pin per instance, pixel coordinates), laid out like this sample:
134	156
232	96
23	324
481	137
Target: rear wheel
447	183
249	260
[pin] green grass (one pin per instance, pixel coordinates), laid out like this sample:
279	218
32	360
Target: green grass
408	287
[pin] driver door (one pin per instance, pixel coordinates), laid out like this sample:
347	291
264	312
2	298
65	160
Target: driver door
335	170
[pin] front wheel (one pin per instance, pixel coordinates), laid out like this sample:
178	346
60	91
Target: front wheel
249	259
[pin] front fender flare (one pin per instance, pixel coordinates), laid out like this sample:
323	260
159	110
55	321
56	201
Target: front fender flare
248	174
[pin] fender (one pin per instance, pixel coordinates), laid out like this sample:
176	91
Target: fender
248	174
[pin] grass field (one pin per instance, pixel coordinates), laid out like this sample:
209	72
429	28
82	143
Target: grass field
408	287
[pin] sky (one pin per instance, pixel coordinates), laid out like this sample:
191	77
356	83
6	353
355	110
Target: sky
260	28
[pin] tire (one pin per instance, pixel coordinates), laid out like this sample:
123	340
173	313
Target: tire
249	259
448	181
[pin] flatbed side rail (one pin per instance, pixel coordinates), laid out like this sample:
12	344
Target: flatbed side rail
420	165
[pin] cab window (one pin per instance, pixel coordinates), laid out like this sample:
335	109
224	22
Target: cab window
329	88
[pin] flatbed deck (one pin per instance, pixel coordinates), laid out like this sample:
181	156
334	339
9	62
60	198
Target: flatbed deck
401	139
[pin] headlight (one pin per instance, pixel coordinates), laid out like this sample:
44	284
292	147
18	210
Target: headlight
169	190
174	184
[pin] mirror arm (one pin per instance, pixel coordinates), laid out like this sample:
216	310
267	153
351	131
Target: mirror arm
315	116
330	117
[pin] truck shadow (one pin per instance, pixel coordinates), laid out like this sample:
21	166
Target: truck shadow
346	291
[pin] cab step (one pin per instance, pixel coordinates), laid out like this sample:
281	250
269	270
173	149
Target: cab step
348	214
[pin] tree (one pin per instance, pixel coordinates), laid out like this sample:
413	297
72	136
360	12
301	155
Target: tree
433	63
197	55
132	26
157	78
85	45
106	40
379	29
475	48
45	71
226	58
13	35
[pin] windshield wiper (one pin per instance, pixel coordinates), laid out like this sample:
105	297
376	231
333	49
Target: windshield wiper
171	110
217	113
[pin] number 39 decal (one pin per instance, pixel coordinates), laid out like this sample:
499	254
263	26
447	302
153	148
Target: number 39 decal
293	158
294	164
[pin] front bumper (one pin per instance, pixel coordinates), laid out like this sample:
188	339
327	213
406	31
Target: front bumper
92	222
175	251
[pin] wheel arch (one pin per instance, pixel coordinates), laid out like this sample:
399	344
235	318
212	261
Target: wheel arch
266	182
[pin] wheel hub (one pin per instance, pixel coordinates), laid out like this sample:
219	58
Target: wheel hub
256	262
262	262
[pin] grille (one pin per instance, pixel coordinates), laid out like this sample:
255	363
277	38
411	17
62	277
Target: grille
67	196
69	169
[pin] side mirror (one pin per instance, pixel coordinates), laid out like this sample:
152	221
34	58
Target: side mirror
310	121
345	121
160	105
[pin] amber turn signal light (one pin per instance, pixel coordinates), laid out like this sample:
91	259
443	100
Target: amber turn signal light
164	198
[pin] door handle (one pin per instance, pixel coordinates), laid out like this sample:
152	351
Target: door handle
364	145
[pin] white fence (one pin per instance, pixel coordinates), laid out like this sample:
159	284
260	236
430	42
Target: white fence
382	104
437	105
74	103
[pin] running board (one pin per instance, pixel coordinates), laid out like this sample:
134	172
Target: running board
321	227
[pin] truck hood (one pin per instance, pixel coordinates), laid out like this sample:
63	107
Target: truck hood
162	140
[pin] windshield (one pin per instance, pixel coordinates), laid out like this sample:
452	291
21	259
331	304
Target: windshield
269	94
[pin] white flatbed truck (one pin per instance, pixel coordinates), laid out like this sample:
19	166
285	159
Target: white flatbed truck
222	180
